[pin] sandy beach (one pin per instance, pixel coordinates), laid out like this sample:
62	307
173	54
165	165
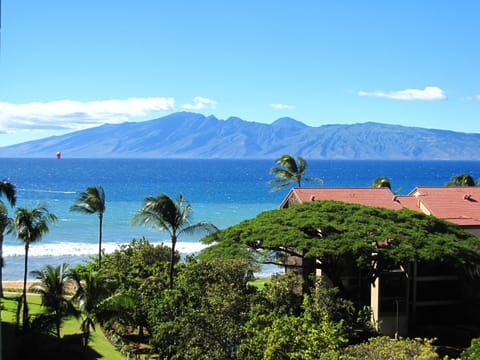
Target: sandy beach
15	284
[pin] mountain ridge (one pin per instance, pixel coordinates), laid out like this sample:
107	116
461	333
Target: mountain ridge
193	135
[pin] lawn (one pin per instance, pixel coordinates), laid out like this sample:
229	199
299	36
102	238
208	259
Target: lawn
99	347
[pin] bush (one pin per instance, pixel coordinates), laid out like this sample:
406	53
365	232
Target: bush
473	352
385	348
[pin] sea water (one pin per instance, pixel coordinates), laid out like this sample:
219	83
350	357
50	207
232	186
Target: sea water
223	192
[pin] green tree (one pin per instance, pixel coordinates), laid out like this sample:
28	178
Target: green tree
4	223
8	189
141	270
163	213
461	180
54	284
203	317
385	348
30	225
97	300
473	351
334	236
314	326
289	172
92	201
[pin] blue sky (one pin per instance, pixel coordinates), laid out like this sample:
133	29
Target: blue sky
68	65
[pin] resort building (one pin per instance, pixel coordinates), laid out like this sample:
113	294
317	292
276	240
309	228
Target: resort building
423	296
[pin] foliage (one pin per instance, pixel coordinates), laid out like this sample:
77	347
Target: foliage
30	225
202	317
384	348
381	182
92	201
8	189
53	288
284	324
4	223
289	172
461	180
97	300
175	217
99	347
141	270
473	351
342	235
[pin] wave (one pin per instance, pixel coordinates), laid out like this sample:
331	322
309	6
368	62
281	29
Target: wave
85	249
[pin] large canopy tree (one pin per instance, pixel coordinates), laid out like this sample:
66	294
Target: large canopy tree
92	201
331	236
289	172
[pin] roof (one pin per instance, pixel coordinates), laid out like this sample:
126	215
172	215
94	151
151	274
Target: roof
460	205
378	197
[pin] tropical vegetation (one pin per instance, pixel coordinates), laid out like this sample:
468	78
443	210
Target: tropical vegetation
8	190
207	307
30	225
53	283
462	180
332	236
175	217
289	171
92	201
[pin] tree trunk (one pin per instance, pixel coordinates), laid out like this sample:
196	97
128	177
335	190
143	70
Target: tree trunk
100	218
172	259
1	265
25	305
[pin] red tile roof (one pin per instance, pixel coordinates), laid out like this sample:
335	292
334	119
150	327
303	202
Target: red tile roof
460	205
379	197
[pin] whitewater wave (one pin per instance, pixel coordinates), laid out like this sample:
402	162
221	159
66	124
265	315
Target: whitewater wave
84	249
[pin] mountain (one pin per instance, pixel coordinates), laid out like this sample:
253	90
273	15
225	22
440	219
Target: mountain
191	135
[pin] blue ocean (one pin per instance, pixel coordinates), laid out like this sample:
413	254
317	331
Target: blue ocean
223	192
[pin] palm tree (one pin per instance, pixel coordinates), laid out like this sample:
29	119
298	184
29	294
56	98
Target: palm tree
92	201
163	213
462	180
290	171
7	189
53	288
381	182
30	225
96	300
4	223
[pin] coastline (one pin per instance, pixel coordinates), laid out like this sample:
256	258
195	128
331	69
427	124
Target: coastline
8	284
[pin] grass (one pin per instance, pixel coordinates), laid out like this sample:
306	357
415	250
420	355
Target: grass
99	347
260	283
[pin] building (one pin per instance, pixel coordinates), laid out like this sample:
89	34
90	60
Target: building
419	298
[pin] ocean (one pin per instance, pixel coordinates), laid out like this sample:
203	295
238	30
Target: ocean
223	192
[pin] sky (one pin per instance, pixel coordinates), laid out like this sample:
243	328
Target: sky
70	65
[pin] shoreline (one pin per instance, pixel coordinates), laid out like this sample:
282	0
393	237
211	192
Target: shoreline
12	284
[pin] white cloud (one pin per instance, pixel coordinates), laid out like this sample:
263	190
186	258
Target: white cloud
282	107
430	93
477	97
200	103
68	114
